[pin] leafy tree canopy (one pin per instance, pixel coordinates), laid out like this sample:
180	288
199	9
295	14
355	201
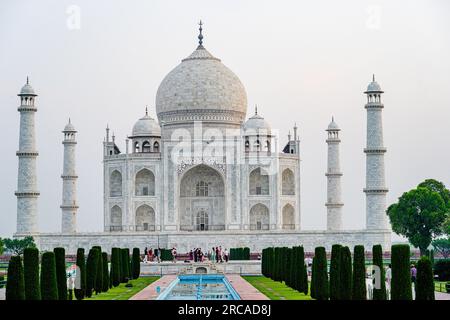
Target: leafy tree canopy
442	246
1	246
16	246
438	187
418	215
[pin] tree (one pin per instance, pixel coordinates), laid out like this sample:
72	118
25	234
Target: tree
335	271
418	215
301	277
81	275
359	274
401	275
2	246
424	282
346	274
105	282
61	275
442	246
377	260
439	187
115	267
446	226
16	246
49	287
15	285
136	263
125	263
98	285
91	271
321	278
31	274
312	289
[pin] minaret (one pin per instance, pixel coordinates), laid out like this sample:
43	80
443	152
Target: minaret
69	205
334	204
375	177
27	194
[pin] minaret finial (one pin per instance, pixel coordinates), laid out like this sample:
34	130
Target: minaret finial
200	35
146	111
256	109
69	119
332	118
373	77
27	80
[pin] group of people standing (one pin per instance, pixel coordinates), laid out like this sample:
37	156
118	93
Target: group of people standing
150	255
215	255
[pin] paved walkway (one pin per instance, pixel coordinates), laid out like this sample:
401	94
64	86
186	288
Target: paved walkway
2	294
441	296
149	292
245	290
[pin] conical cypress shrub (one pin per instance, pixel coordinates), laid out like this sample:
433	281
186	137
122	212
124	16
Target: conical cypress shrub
302	272
31	273
80	281
321	279
377	260
313	279
136	263
287	267
61	275
15	284
98	286
359	274
124	265
105	282
346	274
335	271
91	271
401	276
49	286
115	267
293	267
424	281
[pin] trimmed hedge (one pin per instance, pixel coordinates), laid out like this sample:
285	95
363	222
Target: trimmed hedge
15	284
442	269
313	279
105	281
301	274
346	274
166	255
136	263
335	271
377	260
49	286
240	253
31	273
424	281
98	283
401	275
321	278
125	265
115	267
81	276
359	274
91	271
61	276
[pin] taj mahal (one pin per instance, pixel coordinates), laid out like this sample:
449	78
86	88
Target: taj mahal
205	171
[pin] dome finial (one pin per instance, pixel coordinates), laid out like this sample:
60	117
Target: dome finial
69	120
146	111
27	80
373	77
200	35
256	109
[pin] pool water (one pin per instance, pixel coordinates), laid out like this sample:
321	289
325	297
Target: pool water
199	287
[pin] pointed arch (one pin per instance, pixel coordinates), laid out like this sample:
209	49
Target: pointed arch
116	218
145	183
259	217
288	182
288	217
115	184
258	182
145	218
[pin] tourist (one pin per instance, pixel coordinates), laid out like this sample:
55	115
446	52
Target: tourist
150	255
225	255
217	254
413	274
388	281
220	254
158	255
191	255
145	251
174	255
213	255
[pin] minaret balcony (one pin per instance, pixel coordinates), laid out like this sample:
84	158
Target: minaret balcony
27	194
376	190
27	154
375	150
374	105
334	204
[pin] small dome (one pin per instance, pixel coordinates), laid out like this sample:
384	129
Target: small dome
27	90
373	86
69	127
333	125
145	127
257	123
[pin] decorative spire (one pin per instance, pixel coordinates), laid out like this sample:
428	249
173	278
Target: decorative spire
69	120
146	111
256	109
373	77
200	36
27	80
332	118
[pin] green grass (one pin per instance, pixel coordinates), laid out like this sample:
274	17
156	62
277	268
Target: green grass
121	292
275	290
440	286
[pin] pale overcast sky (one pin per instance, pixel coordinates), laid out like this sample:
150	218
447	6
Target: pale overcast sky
300	61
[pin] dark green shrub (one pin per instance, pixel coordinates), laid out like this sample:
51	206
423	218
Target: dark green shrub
81	275
346	274
166	255
377	260
302	273
293	267
401	274
91	271
70	295
136	263
278	268
115	267
98	282
359	274
424	281
442	269
288	267
15	284
61	275
31	274
335	271
49	286
105	282
313	279
125	258
321	278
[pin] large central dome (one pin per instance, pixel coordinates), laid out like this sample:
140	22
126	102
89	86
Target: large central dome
201	88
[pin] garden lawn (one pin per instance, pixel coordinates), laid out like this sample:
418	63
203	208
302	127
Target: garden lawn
275	290
123	293
440	286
